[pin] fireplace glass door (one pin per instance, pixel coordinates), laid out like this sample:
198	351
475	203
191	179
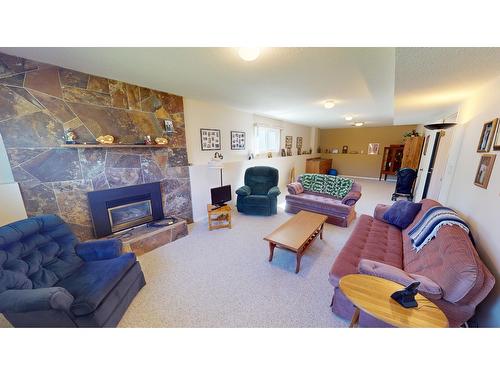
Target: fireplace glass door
130	215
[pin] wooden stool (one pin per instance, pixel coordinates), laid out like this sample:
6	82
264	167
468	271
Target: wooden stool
219	217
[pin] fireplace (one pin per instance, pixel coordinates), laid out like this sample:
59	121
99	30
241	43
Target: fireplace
114	210
130	214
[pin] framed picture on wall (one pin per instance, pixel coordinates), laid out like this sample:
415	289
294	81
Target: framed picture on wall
484	170
288	141
373	148
299	142
238	140
210	139
496	140
487	135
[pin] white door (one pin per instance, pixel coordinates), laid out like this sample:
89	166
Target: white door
423	168
440	164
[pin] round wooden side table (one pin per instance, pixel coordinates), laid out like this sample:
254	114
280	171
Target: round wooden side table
373	295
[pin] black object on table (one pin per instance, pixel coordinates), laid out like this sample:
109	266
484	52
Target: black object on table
406	297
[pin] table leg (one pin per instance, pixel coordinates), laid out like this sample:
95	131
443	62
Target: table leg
355	318
271	250
299	257
321	231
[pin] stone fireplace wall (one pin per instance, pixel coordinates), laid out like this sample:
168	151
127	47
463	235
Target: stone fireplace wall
38	102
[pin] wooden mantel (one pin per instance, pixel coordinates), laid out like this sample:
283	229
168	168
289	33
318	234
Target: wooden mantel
112	145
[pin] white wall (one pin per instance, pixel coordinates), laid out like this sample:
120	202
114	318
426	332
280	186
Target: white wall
204	178
480	207
5	171
11	202
200	114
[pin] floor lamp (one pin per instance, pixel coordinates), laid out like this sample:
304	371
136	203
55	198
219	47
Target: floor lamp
216	164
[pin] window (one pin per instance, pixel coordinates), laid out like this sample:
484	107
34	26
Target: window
267	139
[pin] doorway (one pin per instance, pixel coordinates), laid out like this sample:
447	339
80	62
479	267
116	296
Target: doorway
433	165
430	170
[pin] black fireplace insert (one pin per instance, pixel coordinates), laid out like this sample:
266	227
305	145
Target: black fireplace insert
114	210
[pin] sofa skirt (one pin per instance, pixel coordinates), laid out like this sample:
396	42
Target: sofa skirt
339	220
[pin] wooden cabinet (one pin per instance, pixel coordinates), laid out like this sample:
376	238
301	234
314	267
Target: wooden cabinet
391	161
401	156
318	165
412	152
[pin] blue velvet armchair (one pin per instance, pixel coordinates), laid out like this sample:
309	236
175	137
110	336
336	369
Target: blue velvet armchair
259	195
49	279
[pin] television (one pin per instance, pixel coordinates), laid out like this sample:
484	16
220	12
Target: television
221	195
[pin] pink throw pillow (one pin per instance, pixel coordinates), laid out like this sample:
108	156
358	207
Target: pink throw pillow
295	188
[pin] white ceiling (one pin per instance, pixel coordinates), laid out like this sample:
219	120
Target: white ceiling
380	86
432	82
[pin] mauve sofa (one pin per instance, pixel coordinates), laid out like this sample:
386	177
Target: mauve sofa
49	279
339	211
450	260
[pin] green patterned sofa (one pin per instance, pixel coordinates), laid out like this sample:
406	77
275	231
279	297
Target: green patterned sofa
328	195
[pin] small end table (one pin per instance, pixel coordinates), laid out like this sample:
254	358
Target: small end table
219	217
373	295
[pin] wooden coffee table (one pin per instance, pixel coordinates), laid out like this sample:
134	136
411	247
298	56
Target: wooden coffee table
297	234
373	295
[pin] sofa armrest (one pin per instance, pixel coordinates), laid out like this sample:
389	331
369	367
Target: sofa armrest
99	250
351	198
42	299
427	287
380	210
295	188
274	192
244	191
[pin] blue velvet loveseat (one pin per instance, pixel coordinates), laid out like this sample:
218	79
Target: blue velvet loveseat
49	279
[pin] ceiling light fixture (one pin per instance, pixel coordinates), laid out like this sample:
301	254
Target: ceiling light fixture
249	53
348	118
359	123
329	104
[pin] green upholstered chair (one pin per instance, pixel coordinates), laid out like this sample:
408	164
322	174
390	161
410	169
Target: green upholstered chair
259	195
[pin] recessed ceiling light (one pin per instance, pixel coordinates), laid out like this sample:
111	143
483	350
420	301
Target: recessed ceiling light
329	104
359	123
249	53
348	118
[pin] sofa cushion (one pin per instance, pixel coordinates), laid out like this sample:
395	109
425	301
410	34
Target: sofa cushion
260	179
319	202
256	200
36	253
92	282
116	301
371	239
402	213
427	287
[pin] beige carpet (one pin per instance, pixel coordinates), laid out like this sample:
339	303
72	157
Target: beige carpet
223	279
